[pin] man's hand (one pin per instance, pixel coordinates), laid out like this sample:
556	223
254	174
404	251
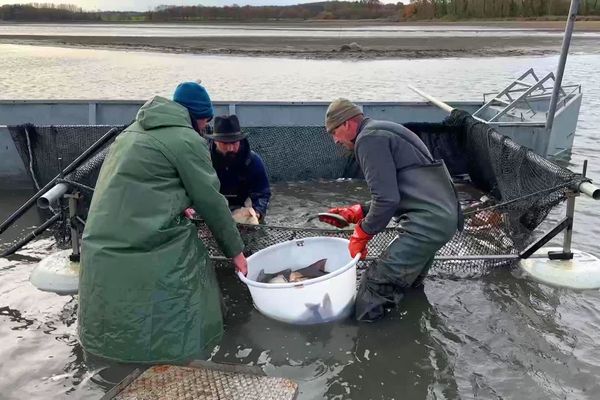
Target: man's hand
241	265
351	214
358	242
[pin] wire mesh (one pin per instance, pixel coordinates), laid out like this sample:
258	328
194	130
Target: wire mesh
521	187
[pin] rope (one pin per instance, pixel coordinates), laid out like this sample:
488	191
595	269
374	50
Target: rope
35	181
477	210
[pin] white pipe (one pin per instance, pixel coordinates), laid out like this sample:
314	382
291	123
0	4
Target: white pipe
585	188
432	99
590	190
52	195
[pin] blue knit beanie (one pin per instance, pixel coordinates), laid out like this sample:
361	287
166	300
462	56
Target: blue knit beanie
194	97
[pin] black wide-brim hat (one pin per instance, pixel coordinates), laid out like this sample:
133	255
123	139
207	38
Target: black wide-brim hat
227	129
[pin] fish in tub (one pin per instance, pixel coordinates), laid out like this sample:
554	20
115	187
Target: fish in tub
315	270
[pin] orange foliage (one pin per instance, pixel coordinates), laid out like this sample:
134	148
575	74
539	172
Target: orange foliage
409	10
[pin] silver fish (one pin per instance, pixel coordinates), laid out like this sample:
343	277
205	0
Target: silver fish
314	270
279	279
266	278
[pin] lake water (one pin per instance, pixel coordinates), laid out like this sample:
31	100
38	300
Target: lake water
233	30
38	72
482	336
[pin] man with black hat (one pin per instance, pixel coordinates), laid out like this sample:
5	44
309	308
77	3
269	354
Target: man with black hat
241	171
404	181
147	290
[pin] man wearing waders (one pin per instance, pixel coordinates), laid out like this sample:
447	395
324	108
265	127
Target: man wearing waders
404	181
148	292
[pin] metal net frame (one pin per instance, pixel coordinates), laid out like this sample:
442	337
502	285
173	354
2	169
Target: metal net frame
521	187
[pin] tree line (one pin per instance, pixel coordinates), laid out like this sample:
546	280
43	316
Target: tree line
325	10
45	12
364	9
466	9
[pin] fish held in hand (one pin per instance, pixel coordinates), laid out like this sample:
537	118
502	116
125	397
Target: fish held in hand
246	214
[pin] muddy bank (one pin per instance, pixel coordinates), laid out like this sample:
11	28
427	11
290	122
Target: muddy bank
320	47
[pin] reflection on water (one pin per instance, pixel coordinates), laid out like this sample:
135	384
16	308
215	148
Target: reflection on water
343	359
9	202
37	72
493	335
485	335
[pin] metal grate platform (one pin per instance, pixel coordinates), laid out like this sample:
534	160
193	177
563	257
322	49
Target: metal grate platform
203	381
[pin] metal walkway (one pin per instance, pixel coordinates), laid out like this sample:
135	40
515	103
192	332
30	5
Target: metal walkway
203	380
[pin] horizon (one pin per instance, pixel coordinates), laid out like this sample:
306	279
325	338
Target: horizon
149	5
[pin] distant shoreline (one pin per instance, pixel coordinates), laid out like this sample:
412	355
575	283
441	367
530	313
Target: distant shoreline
590	24
307	47
339	47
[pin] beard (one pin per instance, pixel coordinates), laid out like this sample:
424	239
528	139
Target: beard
230	157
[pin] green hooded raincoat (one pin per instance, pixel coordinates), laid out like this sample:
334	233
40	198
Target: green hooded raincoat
148	292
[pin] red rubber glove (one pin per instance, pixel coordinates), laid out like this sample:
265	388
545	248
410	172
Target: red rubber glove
352	214
189	213
241	264
358	242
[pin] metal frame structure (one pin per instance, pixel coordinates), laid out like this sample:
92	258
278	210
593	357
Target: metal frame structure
566	225
564	51
522	91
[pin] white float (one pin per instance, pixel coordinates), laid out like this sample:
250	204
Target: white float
582	272
56	273
327	298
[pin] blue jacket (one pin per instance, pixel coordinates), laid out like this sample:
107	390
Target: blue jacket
241	177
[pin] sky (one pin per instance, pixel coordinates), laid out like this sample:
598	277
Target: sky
145	5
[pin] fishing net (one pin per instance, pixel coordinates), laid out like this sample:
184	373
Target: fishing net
518	187
47	150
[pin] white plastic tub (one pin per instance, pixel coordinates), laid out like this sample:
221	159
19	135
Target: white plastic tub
327	298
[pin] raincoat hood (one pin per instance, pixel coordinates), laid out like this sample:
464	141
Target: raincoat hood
148	292
159	112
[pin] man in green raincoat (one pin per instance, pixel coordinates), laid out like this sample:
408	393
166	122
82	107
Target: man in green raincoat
148	292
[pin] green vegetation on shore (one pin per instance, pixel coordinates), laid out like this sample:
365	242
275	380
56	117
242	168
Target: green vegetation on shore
482	9
327	10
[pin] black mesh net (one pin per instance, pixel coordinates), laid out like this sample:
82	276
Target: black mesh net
47	150
297	153
520	186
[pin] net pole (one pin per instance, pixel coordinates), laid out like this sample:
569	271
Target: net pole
17	214
561	64
568	233
32	235
432	99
